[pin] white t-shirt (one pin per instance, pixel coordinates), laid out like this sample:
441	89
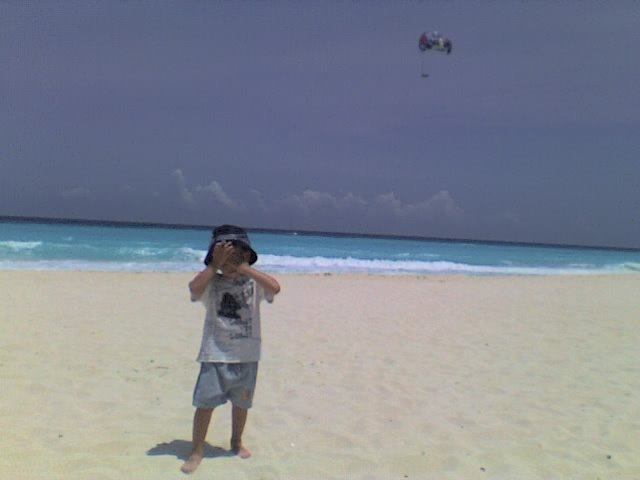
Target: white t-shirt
231	331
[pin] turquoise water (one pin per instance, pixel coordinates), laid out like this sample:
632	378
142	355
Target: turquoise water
64	246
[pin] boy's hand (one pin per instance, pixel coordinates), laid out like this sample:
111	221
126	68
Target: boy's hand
236	258
270	284
221	253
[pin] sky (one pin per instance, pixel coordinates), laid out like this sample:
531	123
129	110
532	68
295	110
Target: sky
314	116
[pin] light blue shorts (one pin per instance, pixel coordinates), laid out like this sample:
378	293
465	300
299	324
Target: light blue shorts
219	382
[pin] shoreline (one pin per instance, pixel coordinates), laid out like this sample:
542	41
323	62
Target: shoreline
413	275
362	376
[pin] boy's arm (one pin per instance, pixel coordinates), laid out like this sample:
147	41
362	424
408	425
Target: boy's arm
270	284
199	283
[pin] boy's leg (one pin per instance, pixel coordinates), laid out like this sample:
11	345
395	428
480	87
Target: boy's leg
201	420
238	420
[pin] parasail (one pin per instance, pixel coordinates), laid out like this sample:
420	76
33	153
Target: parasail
435	42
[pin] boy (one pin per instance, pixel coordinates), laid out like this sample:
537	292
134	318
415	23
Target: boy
231	291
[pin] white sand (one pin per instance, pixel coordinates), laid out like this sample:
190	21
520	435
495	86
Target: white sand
362	377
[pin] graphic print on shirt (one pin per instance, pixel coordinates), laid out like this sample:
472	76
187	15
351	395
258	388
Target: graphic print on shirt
229	307
235	310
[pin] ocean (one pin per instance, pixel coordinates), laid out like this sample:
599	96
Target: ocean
75	246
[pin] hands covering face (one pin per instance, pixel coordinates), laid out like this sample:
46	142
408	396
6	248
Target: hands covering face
225	254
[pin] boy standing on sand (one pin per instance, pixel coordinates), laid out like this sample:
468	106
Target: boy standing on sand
231	291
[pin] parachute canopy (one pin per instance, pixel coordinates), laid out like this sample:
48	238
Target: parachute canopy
435	42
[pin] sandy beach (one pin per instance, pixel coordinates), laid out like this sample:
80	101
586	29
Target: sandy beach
362	377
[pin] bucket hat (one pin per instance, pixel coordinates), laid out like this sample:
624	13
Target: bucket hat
233	234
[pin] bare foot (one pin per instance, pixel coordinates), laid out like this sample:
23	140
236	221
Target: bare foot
192	463
240	450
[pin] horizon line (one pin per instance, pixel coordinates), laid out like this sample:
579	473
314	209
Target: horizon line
129	223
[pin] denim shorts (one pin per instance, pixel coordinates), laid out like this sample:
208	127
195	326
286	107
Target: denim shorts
219	382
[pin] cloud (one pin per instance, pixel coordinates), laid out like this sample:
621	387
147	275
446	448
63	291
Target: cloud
442	204
219	194
76	192
325	206
185	194
327	210
311	200
190	196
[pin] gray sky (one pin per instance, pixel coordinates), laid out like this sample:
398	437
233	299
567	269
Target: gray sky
313	115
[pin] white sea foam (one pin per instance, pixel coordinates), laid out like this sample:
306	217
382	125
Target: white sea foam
352	265
193	253
144	253
16	245
190	260
97	266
